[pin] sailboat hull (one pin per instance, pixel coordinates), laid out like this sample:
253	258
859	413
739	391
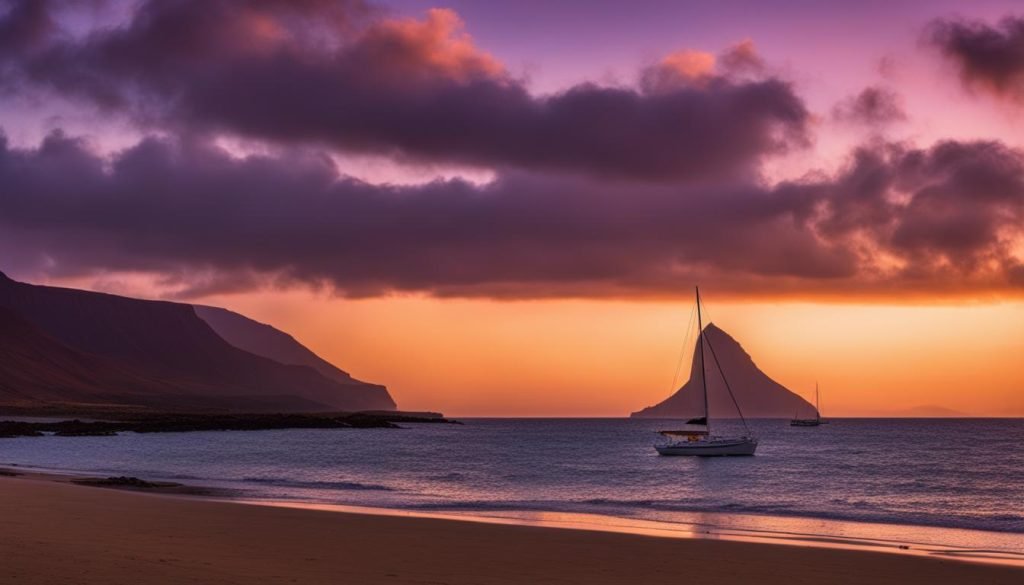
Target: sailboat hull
710	448
800	422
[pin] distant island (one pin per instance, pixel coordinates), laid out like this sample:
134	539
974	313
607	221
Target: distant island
72	350
920	411
760	396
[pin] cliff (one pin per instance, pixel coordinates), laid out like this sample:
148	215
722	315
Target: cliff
131	351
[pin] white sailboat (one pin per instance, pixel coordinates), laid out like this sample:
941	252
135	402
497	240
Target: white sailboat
696	439
810	422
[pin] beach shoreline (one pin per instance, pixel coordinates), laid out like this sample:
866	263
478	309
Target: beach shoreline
120	533
776	530
713	529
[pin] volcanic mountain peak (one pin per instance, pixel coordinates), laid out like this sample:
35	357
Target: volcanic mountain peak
758	395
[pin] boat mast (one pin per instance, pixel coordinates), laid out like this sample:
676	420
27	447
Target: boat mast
703	370
817	403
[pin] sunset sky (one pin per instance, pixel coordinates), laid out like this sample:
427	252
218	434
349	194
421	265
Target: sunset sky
501	208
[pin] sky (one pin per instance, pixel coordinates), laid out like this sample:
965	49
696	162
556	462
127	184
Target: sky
501	208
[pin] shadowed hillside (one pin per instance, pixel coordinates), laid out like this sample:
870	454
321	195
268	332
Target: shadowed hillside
35	367
134	351
267	341
757	394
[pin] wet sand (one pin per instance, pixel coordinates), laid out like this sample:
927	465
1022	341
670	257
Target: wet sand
52	531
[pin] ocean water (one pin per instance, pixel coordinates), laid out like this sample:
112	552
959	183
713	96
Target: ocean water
872	478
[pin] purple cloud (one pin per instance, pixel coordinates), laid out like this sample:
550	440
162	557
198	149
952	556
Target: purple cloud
896	219
413	89
873	107
988	57
598	190
25	26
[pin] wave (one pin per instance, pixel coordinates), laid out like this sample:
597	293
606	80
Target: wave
469	506
453	476
865	512
328	485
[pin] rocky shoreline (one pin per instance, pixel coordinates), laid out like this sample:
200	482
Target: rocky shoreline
182	423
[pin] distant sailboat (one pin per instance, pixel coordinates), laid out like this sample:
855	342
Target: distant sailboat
810	422
696	439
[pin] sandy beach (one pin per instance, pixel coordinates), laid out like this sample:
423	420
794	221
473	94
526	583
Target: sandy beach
55	532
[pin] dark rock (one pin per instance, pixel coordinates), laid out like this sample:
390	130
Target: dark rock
12	429
122	481
86	433
181	423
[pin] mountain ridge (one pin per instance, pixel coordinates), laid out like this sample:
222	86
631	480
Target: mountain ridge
267	341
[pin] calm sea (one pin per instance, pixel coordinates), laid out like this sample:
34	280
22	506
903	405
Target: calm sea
880	478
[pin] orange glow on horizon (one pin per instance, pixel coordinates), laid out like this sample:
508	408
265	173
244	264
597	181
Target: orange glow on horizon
612	357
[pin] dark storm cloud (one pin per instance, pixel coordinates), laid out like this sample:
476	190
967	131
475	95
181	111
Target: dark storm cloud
897	218
314	76
24	25
415	89
968	204
988	57
167	207
873	106
952	214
